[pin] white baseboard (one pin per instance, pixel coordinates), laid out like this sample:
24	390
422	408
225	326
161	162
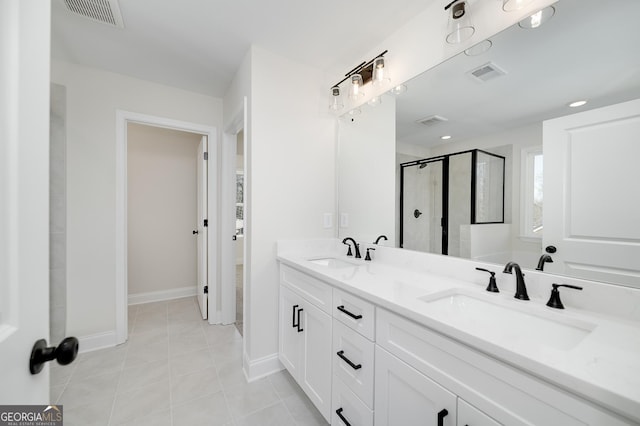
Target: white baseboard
97	341
157	296
261	367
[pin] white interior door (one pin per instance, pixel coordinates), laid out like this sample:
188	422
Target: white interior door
24	197
202	234
591	216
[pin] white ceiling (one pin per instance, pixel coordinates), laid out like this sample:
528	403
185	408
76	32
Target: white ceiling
198	45
588	50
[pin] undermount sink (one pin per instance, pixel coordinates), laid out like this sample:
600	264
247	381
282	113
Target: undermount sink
332	262
505	324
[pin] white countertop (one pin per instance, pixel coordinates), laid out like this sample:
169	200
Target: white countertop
601	362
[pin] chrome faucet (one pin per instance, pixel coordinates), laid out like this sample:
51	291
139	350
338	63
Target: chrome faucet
356	247
543	259
521	288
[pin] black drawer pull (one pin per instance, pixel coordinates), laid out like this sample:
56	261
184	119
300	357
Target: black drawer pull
441	415
342	309
300	329
339	413
293	319
348	361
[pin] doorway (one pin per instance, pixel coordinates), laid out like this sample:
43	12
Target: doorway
123	119
162	213
239	232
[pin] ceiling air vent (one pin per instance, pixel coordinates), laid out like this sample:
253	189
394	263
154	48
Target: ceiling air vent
487	72
103	11
432	120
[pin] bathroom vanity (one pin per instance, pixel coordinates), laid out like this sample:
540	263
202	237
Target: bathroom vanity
413	338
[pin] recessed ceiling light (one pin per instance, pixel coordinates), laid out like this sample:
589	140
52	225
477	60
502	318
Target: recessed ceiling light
445	137
577	104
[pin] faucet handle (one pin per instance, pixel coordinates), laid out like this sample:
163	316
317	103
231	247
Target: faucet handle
554	299
349	252
368	256
492	287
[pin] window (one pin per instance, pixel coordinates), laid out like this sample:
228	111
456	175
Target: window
532	193
239	202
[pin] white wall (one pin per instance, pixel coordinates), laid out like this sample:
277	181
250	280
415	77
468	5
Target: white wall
93	96
366	159
290	182
161	209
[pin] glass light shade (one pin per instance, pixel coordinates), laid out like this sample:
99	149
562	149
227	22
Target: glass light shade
401	88
375	101
380	76
460	27
479	48
355	89
511	5
336	99
537	19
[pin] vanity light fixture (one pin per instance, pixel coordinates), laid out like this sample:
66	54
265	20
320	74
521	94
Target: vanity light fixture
358	77
460	27
537	19
336	99
577	104
511	5
399	89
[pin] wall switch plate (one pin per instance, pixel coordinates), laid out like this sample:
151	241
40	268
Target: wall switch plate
344	220
327	220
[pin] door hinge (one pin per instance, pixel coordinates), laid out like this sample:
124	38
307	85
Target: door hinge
206	155
206	223
206	289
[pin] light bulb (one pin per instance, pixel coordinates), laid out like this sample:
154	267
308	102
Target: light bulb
355	90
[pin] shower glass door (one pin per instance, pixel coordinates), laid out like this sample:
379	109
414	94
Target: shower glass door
422	207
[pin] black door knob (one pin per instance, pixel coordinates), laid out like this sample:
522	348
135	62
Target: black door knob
64	353
194	232
417	213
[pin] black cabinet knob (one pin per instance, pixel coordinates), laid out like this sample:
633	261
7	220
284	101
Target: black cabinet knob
194	232
64	353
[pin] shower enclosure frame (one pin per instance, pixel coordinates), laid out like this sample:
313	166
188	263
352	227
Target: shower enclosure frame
444	222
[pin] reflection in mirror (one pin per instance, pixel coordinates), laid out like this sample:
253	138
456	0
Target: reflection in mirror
497	101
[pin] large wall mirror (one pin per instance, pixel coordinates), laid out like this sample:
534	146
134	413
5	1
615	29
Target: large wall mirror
553	179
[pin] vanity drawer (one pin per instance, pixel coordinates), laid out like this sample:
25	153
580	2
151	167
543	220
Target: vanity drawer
312	289
353	357
350	407
354	313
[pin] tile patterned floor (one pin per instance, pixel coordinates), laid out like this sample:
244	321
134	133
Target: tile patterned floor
175	370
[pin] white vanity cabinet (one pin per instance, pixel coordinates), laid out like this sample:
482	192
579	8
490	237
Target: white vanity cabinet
414	363
406	397
305	331
469	415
